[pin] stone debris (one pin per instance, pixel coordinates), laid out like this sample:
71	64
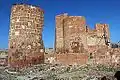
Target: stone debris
3	58
59	71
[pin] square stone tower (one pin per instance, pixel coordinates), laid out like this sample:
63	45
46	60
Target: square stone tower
68	32
25	36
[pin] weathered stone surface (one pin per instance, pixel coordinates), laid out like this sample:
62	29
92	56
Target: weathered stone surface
109	57
71	59
25	37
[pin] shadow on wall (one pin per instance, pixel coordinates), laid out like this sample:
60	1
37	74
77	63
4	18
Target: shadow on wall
117	75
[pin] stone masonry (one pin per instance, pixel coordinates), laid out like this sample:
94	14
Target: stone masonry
74	36
25	36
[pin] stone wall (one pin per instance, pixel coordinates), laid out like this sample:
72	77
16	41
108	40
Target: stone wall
25	36
109	57
71	59
73	27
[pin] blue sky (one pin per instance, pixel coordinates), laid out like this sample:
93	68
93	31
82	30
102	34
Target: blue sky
95	11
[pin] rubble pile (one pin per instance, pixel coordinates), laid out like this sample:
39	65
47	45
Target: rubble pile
58	71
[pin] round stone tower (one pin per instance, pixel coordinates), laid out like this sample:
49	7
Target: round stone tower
25	36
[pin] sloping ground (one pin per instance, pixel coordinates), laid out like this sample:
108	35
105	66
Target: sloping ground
59	72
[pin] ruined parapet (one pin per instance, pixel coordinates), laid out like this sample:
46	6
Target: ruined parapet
103	30
98	37
101	27
25	36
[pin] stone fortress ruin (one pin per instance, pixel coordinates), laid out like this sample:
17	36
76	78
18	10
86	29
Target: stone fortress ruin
75	42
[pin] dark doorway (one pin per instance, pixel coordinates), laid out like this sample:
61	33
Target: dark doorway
75	47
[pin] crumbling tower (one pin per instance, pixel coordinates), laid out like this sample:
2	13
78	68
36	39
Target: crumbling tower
68	33
25	36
